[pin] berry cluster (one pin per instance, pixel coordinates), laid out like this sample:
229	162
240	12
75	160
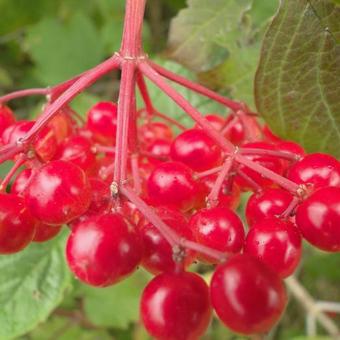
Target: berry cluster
193	187
136	188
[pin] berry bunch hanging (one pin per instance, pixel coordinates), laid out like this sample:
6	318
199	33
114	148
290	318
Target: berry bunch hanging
137	188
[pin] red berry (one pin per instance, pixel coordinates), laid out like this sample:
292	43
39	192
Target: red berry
236	133
172	184
78	150
267	203
150	132
21	182
229	196
17	225
196	149
215	120
103	250
6	118
277	243
318	218
176	306
247	296
102	122
160	148
270	162
158	255
45	232
218	228
58	192
318	169
62	126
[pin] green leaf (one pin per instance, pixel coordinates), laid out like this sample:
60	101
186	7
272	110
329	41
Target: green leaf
115	306
196	37
32	284
63	50
167	106
298	79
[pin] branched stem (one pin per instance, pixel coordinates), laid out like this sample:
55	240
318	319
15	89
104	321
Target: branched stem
24	93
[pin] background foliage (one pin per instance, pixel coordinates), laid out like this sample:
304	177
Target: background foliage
219	43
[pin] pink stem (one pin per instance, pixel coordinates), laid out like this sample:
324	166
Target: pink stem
257	187
214	134
208	172
137	183
212	198
126	95
145	94
81	84
172	237
24	93
229	125
18	163
291	207
281	154
196	87
8	151
169	120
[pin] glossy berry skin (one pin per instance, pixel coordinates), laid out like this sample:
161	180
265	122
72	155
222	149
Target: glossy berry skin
150	132
267	203
160	148
78	150
215	120
318	169
247	296
270	162
318	219
21	182
103	250
277	243
102	122
229	195
176	306
6	118
172	184
45	232
218	228
236	133
157	256
17	225
58	192
195	149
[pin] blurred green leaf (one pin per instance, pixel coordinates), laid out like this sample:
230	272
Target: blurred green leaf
82	103
115	306
63	50
298	79
32	284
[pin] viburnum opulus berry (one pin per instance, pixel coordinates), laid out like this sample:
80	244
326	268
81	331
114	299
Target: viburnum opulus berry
104	249
176	306
58	192
247	296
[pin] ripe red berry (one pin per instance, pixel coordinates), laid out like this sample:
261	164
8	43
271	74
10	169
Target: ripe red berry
149	132
318	169
102	122
160	148
270	162
45	232
196	149
218	228
78	150
267	203
158	254
172	184
103	250
277	243
58	192
236	133
6	118
62	126
215	120
21	182
17	225
247	296
176	306
318	218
